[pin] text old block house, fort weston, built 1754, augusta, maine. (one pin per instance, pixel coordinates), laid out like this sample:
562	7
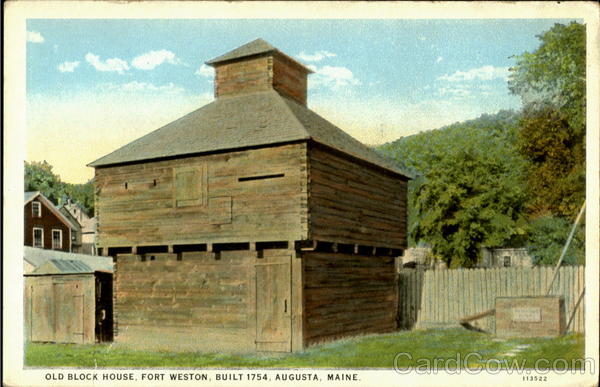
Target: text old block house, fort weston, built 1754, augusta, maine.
252	223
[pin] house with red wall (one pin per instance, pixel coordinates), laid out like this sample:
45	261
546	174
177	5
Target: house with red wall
45	226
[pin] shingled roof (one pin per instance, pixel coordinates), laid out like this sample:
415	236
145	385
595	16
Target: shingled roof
254	48
251	120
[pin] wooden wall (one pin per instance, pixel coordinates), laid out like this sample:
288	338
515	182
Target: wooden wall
60	308
247	76
347	294
201	301
289	79
442	297
136	204
355	204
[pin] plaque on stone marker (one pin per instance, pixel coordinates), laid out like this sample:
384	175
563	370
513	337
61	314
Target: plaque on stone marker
526	314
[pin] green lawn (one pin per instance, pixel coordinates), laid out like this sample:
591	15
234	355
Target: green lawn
367	351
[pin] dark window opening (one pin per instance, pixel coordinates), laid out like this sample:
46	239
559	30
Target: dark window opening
113	251
345	248
365	250
262	177
506	261
271	245
125	185
189	248
231	246
326	247
154	183
152	249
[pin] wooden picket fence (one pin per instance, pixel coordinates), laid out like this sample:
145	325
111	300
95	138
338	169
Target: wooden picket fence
439	298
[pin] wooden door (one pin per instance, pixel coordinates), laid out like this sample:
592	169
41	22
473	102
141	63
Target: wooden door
41	317
273	308
69	311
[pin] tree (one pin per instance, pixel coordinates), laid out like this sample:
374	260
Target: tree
471	199
548	237
39	177
468	189
551	83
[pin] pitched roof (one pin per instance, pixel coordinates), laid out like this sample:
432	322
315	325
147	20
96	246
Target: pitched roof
257	119
255	47
30	195
38	257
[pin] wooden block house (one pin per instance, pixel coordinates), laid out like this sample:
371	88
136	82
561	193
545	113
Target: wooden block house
252	223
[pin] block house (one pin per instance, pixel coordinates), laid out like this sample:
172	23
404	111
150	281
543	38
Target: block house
252	223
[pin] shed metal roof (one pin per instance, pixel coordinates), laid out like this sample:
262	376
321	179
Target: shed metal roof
38	257
63	266
257	119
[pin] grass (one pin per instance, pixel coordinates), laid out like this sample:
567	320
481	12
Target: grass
367	351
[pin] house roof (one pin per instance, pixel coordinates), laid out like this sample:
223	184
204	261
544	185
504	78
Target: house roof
38	257
63	266
255	47
251	120
30	195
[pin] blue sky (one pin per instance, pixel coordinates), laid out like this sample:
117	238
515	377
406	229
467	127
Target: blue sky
94	85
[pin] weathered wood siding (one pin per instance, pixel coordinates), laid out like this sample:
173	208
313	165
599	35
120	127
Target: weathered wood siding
353	203
289	79
440	298
250	75
203	301
347	294
60	308
137	204
179	304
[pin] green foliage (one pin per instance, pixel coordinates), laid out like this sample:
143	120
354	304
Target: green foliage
551	83
556	156
468	190
554	74
548	237
40	177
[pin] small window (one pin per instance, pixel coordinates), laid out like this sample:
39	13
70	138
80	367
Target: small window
56	239
36	209
506	260
38	237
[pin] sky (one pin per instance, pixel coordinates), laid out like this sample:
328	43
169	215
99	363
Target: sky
94	85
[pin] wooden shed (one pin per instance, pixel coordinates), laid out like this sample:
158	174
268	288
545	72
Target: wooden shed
67	301
252	223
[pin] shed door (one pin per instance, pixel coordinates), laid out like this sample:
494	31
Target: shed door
69	311
273	309
42	313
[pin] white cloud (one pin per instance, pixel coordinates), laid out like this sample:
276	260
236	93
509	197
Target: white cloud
316	57
439	59
457	91
68	67
205	71
484	73
110	65
332	77
34	37
136	86
152	59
